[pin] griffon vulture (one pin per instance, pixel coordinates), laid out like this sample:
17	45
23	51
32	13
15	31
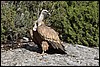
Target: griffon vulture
45	36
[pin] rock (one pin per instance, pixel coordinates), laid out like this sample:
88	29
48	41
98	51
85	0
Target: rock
96	58
77	55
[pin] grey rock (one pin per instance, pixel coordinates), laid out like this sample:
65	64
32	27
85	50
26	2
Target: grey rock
77	55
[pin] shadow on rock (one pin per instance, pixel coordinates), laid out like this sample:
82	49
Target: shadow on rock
34	48
38	49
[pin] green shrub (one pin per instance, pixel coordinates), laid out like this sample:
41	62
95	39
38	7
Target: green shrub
76	21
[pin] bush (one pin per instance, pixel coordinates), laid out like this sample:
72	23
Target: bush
76	21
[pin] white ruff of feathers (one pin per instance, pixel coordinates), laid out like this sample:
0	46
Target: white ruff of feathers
39	20
35	26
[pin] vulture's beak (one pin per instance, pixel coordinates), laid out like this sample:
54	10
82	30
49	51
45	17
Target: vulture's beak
49	14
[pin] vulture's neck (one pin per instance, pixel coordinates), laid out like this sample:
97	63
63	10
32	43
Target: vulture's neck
41	20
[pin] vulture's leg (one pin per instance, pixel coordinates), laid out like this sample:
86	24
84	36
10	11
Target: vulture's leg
45	46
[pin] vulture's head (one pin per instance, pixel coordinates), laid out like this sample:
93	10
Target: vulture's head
44	14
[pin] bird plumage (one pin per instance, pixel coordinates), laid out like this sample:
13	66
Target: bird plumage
45	36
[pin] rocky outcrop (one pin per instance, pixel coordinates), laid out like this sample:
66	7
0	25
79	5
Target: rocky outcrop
77	55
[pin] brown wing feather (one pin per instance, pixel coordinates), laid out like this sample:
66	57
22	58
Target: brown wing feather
50	35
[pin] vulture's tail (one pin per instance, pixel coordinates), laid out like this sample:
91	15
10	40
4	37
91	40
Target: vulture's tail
58	46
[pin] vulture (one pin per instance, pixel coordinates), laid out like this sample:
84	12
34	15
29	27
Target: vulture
44	36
